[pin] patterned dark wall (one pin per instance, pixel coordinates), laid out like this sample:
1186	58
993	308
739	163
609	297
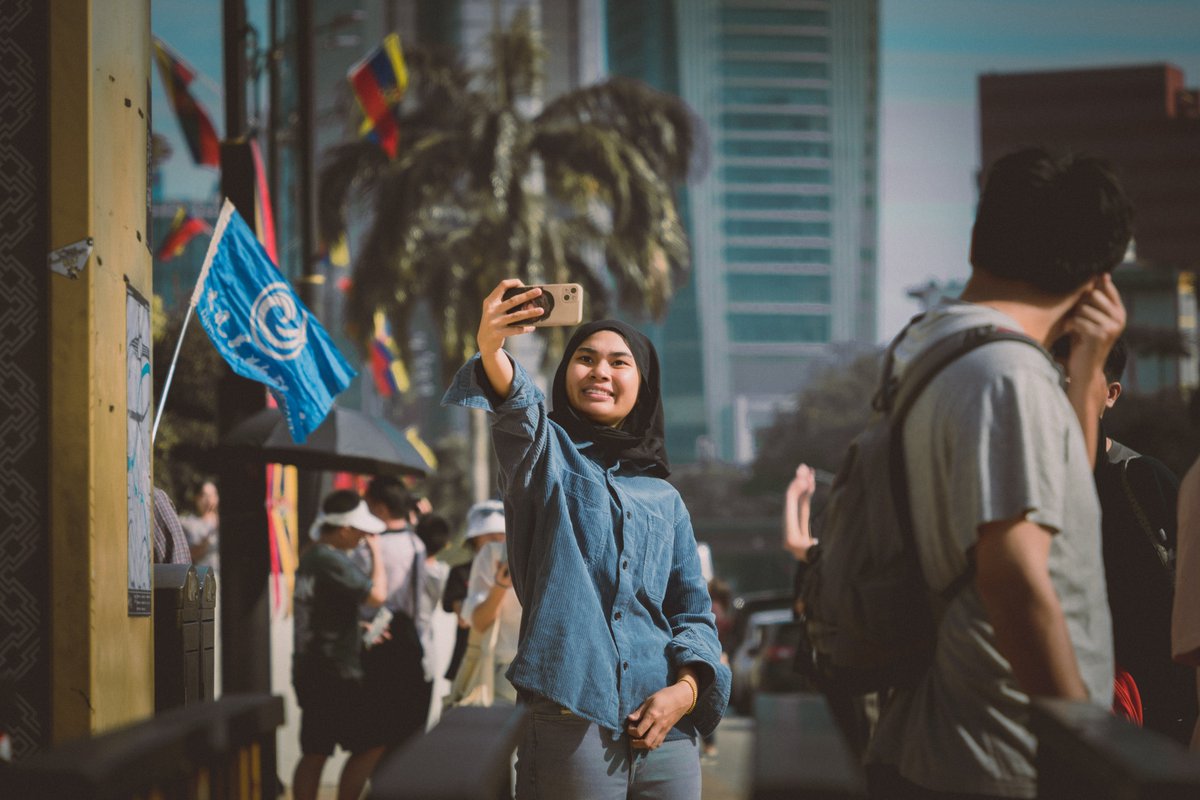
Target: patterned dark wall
24	391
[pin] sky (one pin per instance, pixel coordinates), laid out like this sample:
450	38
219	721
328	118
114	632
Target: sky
932	52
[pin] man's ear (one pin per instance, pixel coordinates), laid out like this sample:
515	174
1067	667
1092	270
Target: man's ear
1114	391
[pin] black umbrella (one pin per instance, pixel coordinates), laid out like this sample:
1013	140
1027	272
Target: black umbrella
347	441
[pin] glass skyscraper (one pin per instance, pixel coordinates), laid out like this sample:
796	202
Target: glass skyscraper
783	222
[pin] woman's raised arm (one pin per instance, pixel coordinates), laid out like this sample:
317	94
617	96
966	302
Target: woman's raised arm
496	323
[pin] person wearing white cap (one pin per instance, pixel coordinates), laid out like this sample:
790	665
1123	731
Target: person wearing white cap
490	597
485	523
327	661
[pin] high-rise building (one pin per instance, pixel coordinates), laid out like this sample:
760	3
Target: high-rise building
783	223
1146	121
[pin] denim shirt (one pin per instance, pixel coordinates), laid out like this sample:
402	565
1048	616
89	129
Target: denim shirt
604	562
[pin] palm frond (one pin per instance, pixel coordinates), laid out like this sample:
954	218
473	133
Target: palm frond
348	168
518	59
573	152
660	125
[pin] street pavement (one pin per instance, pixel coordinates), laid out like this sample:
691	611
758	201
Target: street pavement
727	777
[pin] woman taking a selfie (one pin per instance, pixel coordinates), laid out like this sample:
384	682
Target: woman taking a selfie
618	655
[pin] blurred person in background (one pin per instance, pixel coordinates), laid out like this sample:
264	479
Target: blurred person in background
439	637
1185	621
395	677
327	663
480	531
490	597
203	528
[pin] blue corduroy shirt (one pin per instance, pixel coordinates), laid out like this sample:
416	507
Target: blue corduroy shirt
604	562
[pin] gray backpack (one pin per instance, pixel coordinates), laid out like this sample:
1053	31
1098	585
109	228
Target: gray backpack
870	618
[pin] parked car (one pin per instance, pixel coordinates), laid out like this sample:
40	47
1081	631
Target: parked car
753	614
774	668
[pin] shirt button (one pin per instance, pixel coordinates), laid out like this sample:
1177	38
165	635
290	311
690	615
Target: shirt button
625	665
624	565
617	615
628	515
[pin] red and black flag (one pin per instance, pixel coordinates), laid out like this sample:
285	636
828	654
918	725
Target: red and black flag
193	119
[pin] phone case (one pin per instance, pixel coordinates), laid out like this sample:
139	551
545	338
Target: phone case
563	304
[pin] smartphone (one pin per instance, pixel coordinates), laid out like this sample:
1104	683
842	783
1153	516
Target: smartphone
562	304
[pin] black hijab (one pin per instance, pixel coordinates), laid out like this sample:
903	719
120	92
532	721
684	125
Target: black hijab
641	437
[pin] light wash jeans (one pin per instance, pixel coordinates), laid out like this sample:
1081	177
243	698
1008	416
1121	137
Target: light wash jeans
565	757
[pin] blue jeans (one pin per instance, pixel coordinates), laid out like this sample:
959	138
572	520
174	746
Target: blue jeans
565	757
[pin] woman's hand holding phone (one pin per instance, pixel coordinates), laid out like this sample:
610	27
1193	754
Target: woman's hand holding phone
502	317
496	323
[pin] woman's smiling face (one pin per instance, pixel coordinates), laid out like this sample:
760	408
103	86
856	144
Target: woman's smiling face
602	379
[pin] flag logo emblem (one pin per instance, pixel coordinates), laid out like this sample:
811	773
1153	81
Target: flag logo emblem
279	326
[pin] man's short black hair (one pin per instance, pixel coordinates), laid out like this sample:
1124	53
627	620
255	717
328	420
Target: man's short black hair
434	531
1051	222
340	501
1114	365
392	493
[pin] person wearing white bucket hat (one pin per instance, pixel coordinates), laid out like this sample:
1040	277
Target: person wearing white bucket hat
490	597
327	662
485	523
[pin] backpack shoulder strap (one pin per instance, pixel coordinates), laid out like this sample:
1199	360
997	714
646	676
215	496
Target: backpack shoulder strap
931	361
924	368
1157	537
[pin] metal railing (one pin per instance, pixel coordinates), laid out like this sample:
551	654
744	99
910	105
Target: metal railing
224	750
1084	751
466	756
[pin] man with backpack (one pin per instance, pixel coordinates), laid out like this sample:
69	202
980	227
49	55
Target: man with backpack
1004	515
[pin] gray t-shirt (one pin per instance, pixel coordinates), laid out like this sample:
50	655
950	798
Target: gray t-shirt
993	437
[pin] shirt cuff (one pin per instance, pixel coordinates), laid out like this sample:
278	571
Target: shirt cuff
471	389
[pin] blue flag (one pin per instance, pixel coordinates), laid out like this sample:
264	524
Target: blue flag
263	330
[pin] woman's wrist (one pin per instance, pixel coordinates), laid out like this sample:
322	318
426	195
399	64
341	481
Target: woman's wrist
693	688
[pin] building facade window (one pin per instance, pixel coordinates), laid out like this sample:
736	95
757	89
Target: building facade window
775	17
775	201
775	227
736	254
782	328
741	174
767	43
774	69
748	288
753	121
774	96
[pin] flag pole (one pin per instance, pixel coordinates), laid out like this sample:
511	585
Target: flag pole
226	210
162	401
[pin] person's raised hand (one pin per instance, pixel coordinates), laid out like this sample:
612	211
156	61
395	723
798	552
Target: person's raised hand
496	321
803	484
1094	324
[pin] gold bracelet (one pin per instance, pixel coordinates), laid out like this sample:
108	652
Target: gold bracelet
691	682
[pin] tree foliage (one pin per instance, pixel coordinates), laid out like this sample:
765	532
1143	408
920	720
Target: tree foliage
827	416
482	189
183	448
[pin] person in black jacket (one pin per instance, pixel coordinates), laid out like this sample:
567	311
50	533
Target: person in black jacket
1138	495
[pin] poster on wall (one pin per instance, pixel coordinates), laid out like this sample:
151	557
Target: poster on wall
139	491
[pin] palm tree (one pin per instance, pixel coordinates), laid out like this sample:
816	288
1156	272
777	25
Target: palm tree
482	189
